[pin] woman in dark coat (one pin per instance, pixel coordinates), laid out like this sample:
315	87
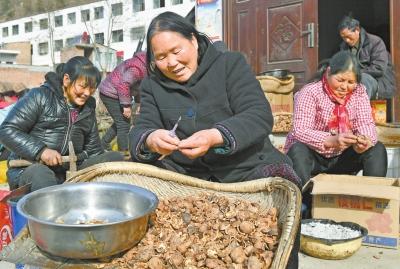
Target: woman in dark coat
225	118
41	124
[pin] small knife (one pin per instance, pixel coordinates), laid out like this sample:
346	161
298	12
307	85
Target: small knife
171	134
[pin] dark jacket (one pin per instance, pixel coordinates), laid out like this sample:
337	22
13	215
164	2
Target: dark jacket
375	60
41	119
223	93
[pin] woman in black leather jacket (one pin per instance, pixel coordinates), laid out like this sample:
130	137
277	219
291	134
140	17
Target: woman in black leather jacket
42	123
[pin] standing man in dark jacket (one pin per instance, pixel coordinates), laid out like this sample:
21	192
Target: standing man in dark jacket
376	65
41	124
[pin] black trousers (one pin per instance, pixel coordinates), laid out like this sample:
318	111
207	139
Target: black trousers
41	175
308	163
120	126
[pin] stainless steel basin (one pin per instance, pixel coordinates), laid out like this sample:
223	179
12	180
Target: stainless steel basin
88	220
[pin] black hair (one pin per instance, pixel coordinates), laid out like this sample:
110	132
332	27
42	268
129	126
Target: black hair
172	22
348	22
8	93
79	67
341	62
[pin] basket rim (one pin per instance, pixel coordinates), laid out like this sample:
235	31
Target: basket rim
153	171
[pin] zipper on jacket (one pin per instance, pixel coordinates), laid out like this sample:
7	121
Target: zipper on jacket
65	144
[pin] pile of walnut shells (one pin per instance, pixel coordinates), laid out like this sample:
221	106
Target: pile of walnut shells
282	122
206	231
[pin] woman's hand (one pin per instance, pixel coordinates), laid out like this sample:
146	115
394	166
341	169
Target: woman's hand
200	142
51	157
127	111
162	142
363	144
341	141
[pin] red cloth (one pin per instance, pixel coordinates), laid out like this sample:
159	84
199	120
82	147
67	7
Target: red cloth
74	114
4	103
339	121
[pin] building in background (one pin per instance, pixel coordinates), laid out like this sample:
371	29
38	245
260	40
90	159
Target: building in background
118	24
209	18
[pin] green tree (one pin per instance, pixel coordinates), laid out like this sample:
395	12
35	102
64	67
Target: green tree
27	6
7	9
40	6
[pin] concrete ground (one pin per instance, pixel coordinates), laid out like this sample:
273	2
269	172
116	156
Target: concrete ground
6	265
365	258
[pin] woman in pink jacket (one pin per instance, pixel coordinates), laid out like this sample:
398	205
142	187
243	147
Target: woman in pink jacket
116	92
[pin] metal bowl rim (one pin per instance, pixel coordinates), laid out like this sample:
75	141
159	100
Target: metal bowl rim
279	73
363	231
153	199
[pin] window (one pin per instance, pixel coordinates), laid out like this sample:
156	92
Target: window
28	27
69	42
158	3
58	21
71	17
58	45
43	48
85	15
44	24
177	2
138	5
117	36
99	38
98	13
15	29
116	9
137	33
5	31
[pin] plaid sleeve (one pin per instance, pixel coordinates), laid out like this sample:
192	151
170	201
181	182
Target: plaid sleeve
305	120
363	123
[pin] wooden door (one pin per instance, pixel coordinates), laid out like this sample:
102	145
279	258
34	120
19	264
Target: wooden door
243	30
273	34
395	52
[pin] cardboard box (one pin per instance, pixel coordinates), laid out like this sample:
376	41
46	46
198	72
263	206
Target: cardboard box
280	102
372	202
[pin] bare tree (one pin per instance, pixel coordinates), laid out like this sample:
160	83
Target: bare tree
50	17
92	30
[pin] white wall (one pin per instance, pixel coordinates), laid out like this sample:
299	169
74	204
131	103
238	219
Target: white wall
126	22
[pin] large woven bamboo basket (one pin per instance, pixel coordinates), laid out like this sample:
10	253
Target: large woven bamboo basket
269	192
389	134
271	84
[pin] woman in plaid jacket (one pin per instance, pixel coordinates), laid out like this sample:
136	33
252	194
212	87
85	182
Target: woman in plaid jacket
333	129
